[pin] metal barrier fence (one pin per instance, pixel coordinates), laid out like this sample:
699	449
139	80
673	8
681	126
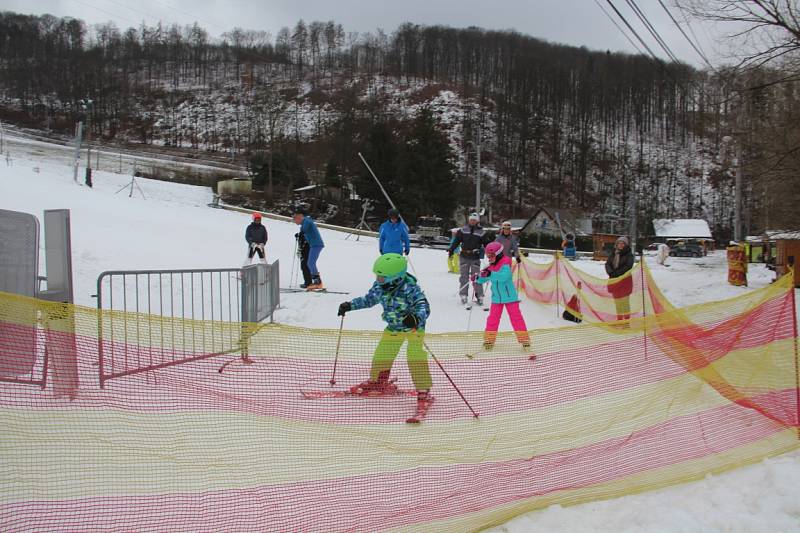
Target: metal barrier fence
152	319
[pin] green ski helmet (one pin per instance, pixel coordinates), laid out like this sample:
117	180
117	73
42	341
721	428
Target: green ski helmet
390	267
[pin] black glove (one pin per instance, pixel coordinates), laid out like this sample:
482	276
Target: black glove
344	307
449	253
411	321
519	259
296	235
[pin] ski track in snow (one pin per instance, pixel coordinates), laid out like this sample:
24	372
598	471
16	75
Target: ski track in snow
174	228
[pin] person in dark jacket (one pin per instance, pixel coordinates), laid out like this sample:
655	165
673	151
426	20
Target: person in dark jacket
509	241
617	265
310	232
302	251
472	238
256	237
393	235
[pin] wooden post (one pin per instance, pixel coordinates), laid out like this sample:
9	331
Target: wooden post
644	303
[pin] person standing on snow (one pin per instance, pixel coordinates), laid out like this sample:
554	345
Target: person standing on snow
256	237
568	246
302	252
617	264
663	253
405	310
509	241
472	239
310	232
504	294
393	235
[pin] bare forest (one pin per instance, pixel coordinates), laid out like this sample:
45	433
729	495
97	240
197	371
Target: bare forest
600	132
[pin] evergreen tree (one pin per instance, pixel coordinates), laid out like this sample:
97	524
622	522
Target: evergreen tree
426	170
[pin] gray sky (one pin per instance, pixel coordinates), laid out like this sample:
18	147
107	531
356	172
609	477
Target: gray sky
574	22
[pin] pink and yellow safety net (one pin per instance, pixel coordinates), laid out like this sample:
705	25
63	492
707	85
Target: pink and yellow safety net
606	409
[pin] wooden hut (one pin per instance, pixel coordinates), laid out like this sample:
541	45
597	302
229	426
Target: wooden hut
603	245
788	245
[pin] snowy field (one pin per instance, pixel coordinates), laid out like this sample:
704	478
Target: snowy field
172	227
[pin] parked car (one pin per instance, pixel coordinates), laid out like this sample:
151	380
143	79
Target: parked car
686	249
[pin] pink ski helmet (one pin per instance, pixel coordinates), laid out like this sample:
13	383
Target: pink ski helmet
494	248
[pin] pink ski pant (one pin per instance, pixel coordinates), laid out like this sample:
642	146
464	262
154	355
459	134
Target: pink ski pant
514	314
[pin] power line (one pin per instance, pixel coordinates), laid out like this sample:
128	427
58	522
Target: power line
635	33
650	28
696	49
618	26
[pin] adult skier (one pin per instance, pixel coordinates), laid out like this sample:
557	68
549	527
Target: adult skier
504	295
472	239
256	237
302	252
393	235
617	264
509	241
405	310
310	232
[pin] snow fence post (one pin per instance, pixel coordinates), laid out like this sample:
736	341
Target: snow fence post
644	302
794	339
558	290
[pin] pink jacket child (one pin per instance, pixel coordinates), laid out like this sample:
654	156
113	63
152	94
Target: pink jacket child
504	294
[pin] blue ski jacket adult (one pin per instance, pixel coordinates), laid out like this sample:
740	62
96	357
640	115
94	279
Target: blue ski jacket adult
393	238
311	233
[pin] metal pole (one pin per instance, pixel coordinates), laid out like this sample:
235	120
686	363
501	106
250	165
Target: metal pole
644	306
796	362
478	172
449	378
78	135
558	311
737	208
385	194
336	357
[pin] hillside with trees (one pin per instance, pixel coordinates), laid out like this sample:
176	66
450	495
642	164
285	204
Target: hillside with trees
557	125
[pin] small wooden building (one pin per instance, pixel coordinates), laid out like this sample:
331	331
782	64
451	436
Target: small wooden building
788	245
603	245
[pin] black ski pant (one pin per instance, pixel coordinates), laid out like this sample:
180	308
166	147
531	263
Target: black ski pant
304	265
253	251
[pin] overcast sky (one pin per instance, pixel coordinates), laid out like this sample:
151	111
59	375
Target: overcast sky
574	22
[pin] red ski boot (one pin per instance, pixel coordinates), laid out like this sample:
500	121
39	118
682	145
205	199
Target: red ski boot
380	387
424	401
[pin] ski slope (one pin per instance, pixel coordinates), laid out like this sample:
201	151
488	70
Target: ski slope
172	227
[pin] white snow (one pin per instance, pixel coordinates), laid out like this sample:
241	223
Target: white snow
173	228
681	227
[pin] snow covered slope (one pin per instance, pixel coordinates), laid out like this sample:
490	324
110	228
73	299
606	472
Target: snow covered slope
173	228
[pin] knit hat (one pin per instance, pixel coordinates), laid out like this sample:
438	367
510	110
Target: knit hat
624	239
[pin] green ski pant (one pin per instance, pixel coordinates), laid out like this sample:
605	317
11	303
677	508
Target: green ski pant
388	348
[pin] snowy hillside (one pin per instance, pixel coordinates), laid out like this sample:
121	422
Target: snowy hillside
173	228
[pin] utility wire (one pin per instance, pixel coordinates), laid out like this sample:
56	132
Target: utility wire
650	28
634	32
618	26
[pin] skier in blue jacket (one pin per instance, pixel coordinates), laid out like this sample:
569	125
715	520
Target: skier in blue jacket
393	238
310	232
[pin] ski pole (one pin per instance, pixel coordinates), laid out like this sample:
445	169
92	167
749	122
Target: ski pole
336	358
294	257
436	359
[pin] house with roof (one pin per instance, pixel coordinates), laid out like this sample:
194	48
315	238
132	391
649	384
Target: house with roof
674	230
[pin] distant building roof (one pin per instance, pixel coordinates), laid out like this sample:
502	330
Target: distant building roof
774	234
682	228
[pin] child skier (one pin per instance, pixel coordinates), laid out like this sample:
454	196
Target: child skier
256	237
405	310
504	294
